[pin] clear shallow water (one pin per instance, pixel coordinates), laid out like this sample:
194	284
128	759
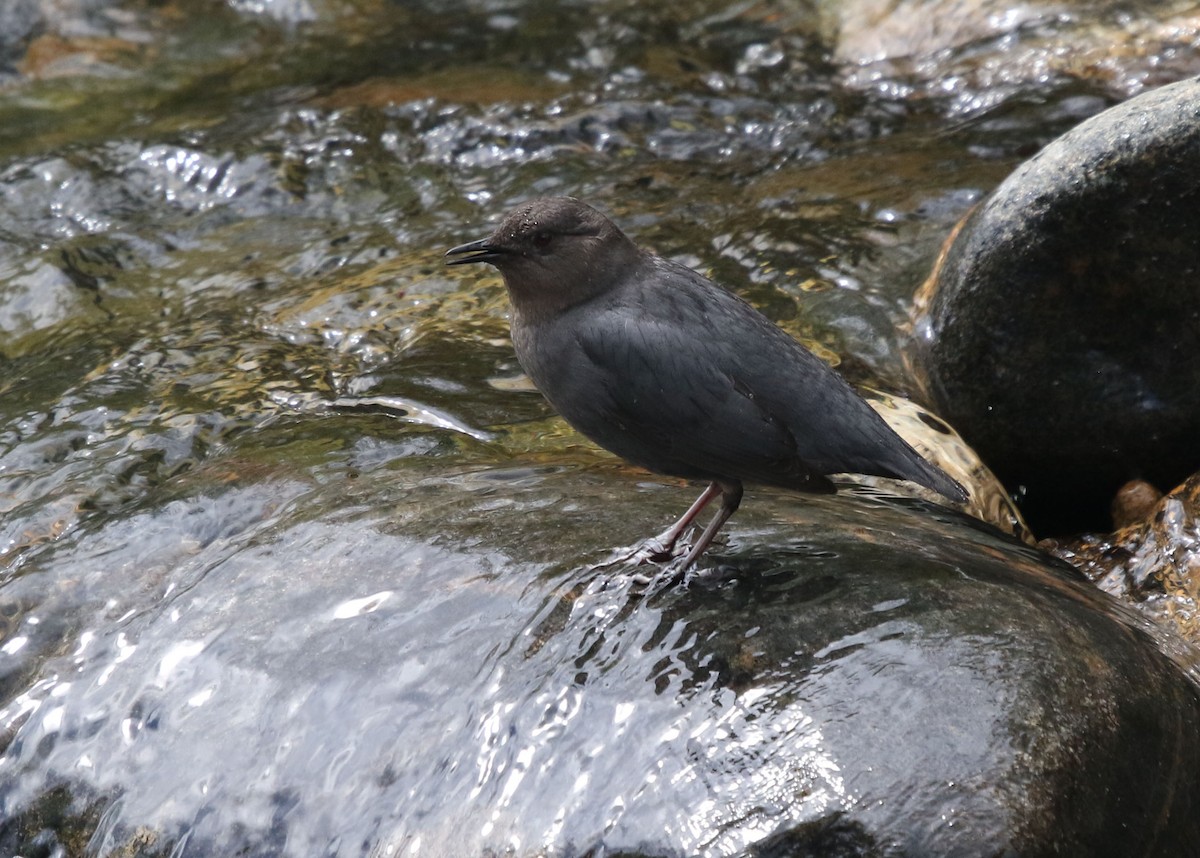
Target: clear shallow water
235	612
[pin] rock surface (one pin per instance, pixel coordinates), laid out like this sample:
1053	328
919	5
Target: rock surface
1152	562
1063	326
864	676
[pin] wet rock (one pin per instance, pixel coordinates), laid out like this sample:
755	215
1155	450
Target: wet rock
940	444
51	38
969	56
1062	329
861	671
871	30
38	298
285	11
1153	561
19	22
1134	501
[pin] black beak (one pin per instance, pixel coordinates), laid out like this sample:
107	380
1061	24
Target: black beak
476	251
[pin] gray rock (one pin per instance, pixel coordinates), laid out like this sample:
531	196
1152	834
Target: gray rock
20	21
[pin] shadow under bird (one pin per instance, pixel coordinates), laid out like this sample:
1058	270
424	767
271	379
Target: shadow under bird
676	374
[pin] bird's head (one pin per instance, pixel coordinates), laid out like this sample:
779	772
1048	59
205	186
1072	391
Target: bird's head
553	253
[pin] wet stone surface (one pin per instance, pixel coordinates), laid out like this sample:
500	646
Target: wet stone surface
372	678
1064	314
292	561
1153	561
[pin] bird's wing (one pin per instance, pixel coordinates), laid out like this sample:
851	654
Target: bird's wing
660	399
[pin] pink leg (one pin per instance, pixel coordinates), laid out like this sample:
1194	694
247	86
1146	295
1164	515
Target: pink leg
731	498
664	543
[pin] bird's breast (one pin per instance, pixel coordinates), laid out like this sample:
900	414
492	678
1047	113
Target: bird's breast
546	353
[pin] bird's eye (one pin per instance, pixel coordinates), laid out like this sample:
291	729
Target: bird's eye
541	239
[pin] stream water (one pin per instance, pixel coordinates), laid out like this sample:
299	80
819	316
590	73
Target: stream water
293	562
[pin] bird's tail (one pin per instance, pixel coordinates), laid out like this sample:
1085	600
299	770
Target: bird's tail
922	472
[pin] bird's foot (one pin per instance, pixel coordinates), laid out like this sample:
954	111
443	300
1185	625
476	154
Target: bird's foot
678	571
653	550
665	570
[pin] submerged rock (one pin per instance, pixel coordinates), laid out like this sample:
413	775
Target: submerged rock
1152	561
1134	501
1061	327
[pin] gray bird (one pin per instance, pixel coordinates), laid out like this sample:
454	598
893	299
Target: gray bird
676	374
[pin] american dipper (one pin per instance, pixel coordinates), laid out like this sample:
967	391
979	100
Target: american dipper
676	374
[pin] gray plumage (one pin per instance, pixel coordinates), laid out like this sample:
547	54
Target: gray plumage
674	373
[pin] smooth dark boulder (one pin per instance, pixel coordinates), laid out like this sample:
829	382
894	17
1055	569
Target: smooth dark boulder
866	676
1061	335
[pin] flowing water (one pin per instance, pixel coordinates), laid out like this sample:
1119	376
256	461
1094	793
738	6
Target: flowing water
282	521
